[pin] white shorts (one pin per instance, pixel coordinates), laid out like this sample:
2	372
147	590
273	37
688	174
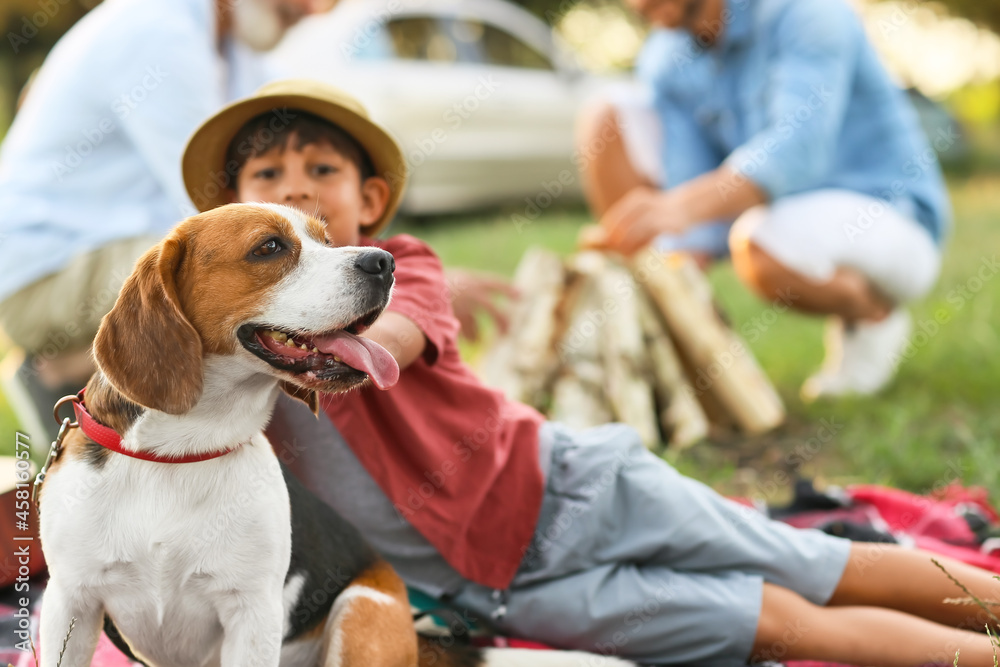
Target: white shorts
812	234
815	233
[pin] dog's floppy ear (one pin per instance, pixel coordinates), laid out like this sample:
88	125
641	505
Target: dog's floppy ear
307	396
146	347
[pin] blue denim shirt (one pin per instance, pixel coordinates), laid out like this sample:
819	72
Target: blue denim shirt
793	96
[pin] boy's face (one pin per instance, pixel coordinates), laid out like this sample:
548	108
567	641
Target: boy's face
318	180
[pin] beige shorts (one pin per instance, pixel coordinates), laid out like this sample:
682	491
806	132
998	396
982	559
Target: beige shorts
60	313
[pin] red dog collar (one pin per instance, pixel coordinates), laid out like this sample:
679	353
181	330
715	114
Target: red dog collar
109	439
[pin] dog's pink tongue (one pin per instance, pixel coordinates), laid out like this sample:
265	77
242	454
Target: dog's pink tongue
363	354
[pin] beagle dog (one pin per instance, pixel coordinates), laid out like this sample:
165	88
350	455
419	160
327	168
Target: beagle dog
168	520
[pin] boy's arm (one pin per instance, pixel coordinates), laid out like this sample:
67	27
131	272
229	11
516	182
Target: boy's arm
399	335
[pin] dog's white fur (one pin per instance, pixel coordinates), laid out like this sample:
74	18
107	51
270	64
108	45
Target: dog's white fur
198	548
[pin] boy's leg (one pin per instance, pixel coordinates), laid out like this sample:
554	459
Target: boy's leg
792	628
889	576
609	500
649	614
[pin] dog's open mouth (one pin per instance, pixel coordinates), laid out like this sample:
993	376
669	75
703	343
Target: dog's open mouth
336	356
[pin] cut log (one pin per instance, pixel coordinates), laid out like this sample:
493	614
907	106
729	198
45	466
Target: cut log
722	363
593	341
682	419
523	363
579	399
626	356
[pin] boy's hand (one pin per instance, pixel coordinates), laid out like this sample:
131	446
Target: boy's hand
399	335
475	293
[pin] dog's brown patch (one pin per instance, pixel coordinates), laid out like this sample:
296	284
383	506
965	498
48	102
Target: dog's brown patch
316	230
186	299
381	577
370	632
146	346
434	653
219	295
108	406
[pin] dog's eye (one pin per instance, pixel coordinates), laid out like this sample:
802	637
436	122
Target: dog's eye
268	247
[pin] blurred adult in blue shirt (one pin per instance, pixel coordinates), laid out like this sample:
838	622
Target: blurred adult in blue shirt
778	115
90	169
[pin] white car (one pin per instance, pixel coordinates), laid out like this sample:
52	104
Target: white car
481	95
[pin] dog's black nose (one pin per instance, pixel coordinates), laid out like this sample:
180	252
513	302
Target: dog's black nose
376	262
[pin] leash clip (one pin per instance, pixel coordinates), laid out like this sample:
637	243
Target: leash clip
54	452
56	448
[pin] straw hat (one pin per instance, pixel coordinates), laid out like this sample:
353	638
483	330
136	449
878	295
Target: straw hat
204	163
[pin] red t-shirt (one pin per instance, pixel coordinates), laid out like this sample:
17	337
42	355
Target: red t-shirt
457	459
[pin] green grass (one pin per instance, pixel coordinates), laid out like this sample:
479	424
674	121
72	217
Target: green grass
937	423
8	426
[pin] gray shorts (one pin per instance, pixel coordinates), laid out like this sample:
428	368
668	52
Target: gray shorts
631	558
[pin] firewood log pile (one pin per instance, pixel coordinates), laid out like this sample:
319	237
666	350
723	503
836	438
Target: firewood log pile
593	340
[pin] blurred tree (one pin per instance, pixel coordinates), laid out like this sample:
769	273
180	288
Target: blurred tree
28	30
553	11
984	12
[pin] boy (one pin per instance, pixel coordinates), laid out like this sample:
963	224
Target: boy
582	540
